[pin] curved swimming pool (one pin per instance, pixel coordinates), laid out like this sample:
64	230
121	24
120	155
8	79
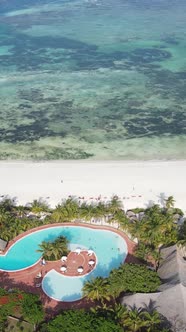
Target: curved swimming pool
109	247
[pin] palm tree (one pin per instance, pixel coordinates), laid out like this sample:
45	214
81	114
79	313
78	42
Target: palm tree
143	251
134	322
4	215
54	250
115	205
117	311
168	229
157	257
101	308
122	219
55	254
169	202
20	210
21	225
167	222
156	227
58	214
38	206
71	209
152	319
136	229
45	249
61	243
120	312
153	210
151	235
99	211
12	227
96	290
86	211
8	204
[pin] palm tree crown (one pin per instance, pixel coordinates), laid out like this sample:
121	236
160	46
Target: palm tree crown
96	289
54	250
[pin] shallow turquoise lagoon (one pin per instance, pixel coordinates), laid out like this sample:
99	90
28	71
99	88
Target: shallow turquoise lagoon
97	79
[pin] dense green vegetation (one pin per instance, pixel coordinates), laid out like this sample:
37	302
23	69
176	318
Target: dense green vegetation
17	303
81	321
116	318
131	278
107	317
32	309
154	228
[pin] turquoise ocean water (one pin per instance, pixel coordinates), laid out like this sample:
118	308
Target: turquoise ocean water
97	79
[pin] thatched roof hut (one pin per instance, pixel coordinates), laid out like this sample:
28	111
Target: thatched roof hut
171	298
130	214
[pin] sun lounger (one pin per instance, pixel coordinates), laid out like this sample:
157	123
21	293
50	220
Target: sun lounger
39	275
78	251
90	252
64	258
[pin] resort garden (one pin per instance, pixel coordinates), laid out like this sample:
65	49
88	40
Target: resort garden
154	228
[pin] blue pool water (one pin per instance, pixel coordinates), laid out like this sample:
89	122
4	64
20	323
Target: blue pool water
110	249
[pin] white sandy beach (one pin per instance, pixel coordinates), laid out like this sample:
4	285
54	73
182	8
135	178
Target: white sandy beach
136	183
